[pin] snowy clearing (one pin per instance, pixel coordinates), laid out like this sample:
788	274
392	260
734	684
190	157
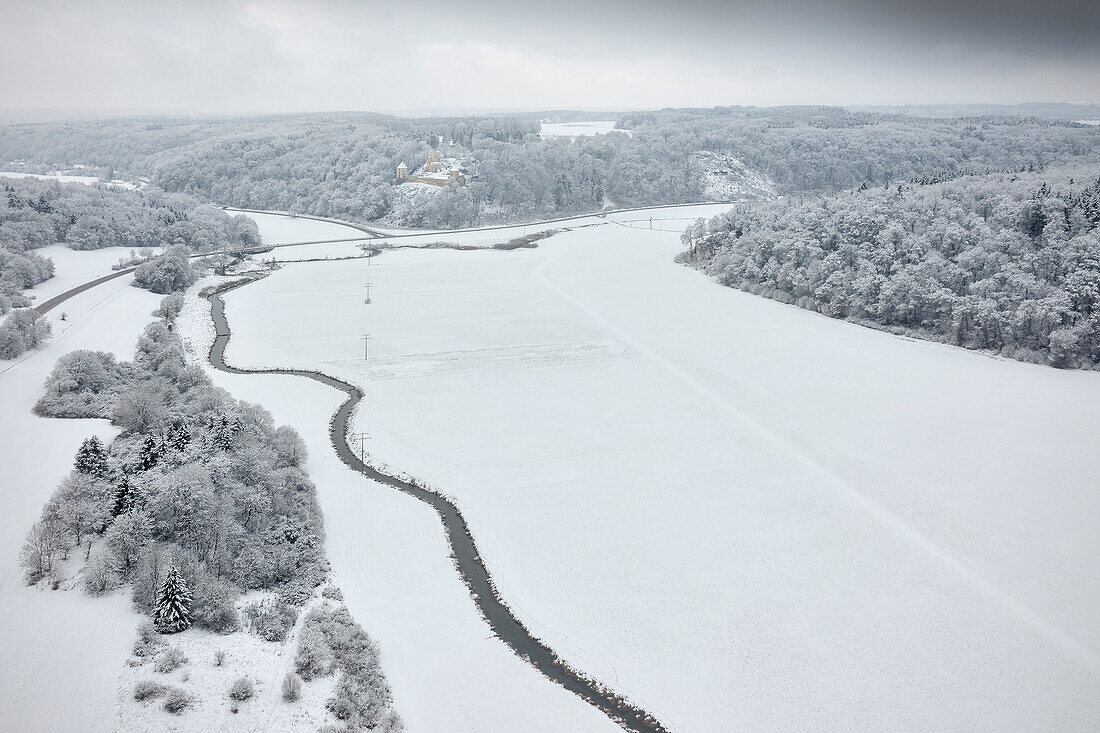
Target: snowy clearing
738	513
578	129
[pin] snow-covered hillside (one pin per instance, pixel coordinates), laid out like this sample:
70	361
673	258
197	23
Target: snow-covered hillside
725	178
740	514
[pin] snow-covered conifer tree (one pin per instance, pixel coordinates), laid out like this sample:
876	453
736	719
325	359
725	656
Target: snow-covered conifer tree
124	496
91	458
151	451
173	610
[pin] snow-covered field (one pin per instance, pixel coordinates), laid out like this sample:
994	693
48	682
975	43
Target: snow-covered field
390	557
86	180
62	652
74	267
283	228
577	129
740	514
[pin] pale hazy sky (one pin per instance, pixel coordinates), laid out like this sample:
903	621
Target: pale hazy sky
270	56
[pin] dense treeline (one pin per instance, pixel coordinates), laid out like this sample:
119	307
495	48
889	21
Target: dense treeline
343	165
36	213
805	149
1005	262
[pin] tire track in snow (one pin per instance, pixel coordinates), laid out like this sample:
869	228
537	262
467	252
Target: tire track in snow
1073	648
463	548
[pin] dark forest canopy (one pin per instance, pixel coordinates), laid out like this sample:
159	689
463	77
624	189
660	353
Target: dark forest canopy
343	165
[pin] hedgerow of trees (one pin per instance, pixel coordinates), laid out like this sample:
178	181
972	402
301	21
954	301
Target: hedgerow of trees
1003	262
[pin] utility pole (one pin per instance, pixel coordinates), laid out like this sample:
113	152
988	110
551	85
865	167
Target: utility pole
366	344
362	438
367	301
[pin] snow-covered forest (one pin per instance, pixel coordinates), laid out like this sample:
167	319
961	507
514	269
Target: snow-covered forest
1003	262
199	500
36	214
344	165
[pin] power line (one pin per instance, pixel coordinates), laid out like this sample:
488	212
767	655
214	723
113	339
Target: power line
362	438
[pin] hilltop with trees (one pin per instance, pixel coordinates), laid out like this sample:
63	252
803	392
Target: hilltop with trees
1003	262
343	165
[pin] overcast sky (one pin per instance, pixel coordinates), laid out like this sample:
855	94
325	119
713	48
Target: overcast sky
272	56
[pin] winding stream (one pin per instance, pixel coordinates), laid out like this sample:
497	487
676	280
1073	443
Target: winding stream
464	550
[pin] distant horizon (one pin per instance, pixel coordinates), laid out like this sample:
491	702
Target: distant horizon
62	114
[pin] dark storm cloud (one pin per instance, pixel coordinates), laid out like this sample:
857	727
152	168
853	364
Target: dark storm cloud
272	55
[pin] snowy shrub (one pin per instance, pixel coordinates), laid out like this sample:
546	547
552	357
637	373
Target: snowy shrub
176	701
169	660
359	701
170	307
292	687
331	639
219	658
149	642
295	594
148	690
214	603
242	689
271	619
332	592
314	658
44	545
100	575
